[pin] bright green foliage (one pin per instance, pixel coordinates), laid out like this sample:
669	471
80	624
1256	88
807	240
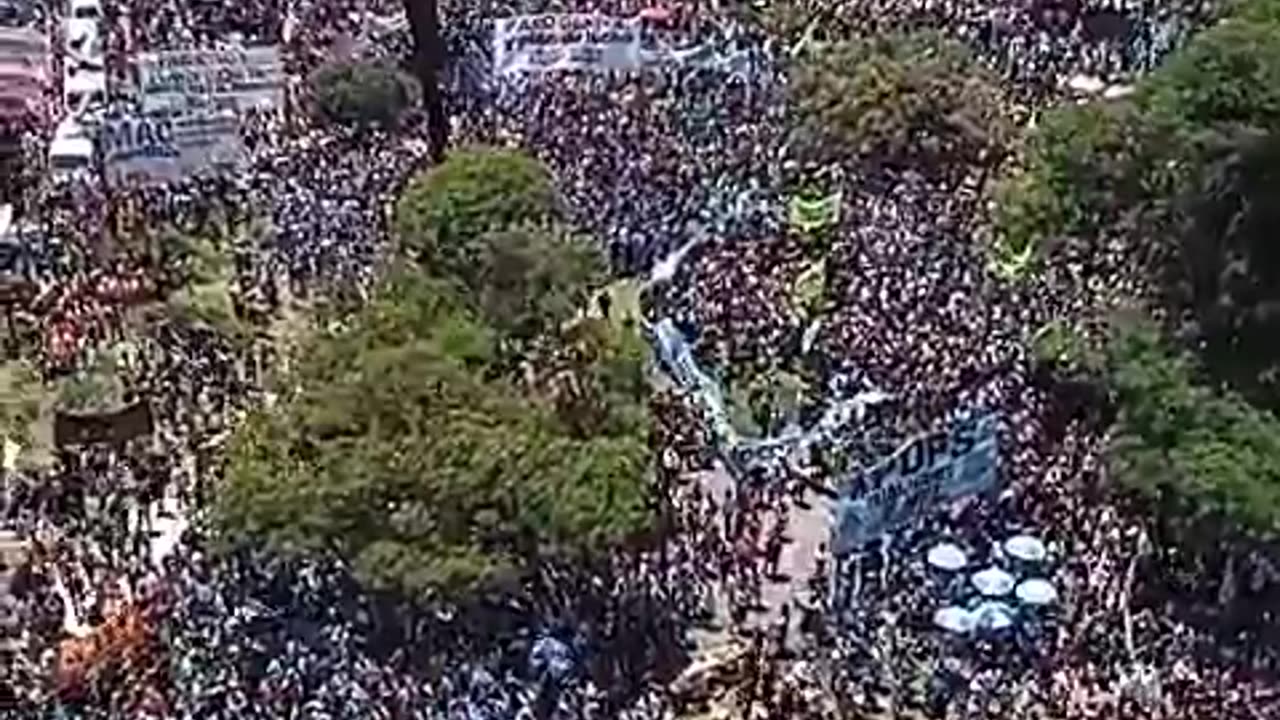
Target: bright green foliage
1230	74
94	388
360	94
916	100
529	279
418	443
478	223
594	374
1088	167
1058	344
402	452
443	215
21	394
1183	172
1080	161
1200	454
203	268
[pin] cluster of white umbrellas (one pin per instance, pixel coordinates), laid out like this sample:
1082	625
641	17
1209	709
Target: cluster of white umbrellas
994	584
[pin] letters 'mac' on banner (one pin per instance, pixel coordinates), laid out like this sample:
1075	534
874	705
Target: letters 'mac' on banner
932	468
162	148
588	41
70	429
811	214
235	79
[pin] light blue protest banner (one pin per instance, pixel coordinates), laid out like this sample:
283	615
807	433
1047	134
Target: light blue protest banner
930	469
677	356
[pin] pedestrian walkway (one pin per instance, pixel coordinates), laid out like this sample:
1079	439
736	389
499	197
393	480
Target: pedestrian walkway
808	527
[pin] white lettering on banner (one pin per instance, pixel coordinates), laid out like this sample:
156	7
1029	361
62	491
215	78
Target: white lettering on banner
931	468
583	41
160	149
223	79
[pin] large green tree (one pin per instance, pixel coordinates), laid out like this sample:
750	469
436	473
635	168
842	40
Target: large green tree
444	212
918	100
1181	175
401	452
360	94
417	443
1206	458
484	221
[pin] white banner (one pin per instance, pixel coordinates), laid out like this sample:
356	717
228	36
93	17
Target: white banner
25	43
152	149
931	468
586	41
24	70
234	79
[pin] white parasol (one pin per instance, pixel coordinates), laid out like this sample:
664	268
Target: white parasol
1026	547
992	616
947	556
993	582
1086	84
954	619
1037	591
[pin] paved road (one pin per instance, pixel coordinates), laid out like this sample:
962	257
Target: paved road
807	528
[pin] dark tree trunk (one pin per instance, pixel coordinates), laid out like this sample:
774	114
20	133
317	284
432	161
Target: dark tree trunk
428	59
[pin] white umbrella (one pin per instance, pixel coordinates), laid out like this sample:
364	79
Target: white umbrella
1037	591
993	582
1086	84
1115	92
1026	547
954	619
947	556
992	616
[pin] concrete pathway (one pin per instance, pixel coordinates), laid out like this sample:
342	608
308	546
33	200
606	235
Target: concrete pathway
807	528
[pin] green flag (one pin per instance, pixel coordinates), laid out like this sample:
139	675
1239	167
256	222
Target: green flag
809	214
807	291
1012	265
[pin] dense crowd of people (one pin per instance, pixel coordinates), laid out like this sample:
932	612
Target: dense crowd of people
122	611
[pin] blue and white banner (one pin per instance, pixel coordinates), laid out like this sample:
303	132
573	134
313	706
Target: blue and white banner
931	468
227	79
594	42
163	148
676	354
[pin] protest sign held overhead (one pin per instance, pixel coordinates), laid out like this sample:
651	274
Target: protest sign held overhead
593	42
153	149
810	214
235	79
931	468
117	427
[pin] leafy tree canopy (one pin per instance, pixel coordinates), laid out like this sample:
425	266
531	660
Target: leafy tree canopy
479	222
402	452
1184	173
360	94
1086	166
21	395
1203	456
917	100
444	213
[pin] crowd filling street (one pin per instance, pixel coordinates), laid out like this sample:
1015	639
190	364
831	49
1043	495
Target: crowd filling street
650	162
